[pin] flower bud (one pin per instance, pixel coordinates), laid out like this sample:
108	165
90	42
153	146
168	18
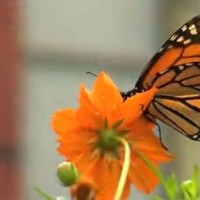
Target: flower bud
67	173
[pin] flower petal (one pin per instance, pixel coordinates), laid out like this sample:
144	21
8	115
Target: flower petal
140	128
153	149
142	176
142	137
74	145
77	132
65	120
105	95
87	113
106	176
134	106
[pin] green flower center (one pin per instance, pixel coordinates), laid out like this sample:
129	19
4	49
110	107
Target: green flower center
107	141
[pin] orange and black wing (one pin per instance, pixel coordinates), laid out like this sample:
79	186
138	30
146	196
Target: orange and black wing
181	48
175	71
177	102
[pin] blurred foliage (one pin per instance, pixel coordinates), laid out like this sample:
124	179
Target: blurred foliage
187	190
173	190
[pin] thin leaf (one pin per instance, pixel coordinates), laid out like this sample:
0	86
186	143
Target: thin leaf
43	194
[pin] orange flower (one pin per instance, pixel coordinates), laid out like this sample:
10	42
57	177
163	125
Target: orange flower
86	137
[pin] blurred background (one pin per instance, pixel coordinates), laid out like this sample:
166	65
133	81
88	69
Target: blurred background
46	48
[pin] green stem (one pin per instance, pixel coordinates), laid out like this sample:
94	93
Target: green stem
43	194
125	169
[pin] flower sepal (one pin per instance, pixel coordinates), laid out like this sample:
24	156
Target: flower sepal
108	138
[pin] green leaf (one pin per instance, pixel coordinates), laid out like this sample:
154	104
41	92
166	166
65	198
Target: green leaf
171	187
190	189
43	194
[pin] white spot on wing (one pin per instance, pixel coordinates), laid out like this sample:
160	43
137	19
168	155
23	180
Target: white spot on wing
170	47
187	41
180	39
173	37
194	32
184	28
181	67
160	49
189	64
196	137
164	71
192	27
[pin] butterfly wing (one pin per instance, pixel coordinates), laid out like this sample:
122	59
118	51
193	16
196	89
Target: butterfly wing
175	71
180	112
177	102
181	48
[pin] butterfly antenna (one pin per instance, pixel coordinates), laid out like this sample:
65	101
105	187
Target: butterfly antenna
91	74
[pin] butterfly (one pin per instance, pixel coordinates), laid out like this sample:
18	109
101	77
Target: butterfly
175	71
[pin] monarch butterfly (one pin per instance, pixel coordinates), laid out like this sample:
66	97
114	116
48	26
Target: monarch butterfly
175	71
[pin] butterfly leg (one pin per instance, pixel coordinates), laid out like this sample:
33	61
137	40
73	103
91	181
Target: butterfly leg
159	131
158	126
160	136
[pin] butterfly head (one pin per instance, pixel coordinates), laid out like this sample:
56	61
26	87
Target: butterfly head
130	93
